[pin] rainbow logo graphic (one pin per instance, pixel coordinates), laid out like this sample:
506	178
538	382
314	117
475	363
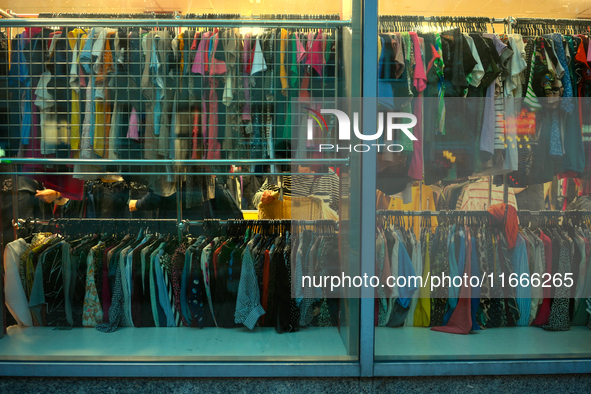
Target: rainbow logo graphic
315	115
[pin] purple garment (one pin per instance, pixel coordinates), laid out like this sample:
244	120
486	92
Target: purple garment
246	79
133	131
487	135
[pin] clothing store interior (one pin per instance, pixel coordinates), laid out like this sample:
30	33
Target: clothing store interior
161	200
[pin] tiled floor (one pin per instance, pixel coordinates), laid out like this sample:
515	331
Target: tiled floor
418	343
170	344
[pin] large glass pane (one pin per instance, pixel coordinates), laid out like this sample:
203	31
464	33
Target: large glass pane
474	224
162	208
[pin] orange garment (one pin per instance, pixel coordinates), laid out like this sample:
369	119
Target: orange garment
511	223
282	69
103	106
382	201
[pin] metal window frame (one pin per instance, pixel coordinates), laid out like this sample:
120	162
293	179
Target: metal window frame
365	16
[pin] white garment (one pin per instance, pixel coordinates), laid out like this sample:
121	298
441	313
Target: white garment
517	64
394	272
258	61
16	300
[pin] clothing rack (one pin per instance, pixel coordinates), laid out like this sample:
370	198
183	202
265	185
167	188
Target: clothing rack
97	22
208	225
533	26
385	212
22	223
465	23
174	163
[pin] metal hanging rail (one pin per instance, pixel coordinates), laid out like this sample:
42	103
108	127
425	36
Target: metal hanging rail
21	223
97	22
385	212
195	162
449	19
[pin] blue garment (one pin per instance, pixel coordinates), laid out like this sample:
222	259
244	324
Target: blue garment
185	277
522	293
405	269
162	291
20	78
475	268
158	85
456	268
384	86
85	58
248	306
566	102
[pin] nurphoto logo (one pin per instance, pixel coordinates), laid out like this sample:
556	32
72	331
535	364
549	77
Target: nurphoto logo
344	130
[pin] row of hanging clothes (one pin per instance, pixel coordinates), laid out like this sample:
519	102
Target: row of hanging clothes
478	244
160	93
487	103
124	275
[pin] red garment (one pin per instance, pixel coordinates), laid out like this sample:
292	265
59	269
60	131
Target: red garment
105	292
511	223
195	153
544	311
461	318
215	260
266	277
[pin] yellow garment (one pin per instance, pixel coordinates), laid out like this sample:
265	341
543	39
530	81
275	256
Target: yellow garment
102	106
102	125
296	208
379	49
282	69
29	270
396	204
422	316
181	47
75	120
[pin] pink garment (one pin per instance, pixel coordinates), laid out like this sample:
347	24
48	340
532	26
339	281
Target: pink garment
200	56
246	79
461	318
195	134
420	78
82	78
247	53
544	311
212	144
316	56
133	131
416	161
300	49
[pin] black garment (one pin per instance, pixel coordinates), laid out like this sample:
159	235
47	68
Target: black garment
531	199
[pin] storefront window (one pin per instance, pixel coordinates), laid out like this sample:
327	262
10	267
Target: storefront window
160	203
481	222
